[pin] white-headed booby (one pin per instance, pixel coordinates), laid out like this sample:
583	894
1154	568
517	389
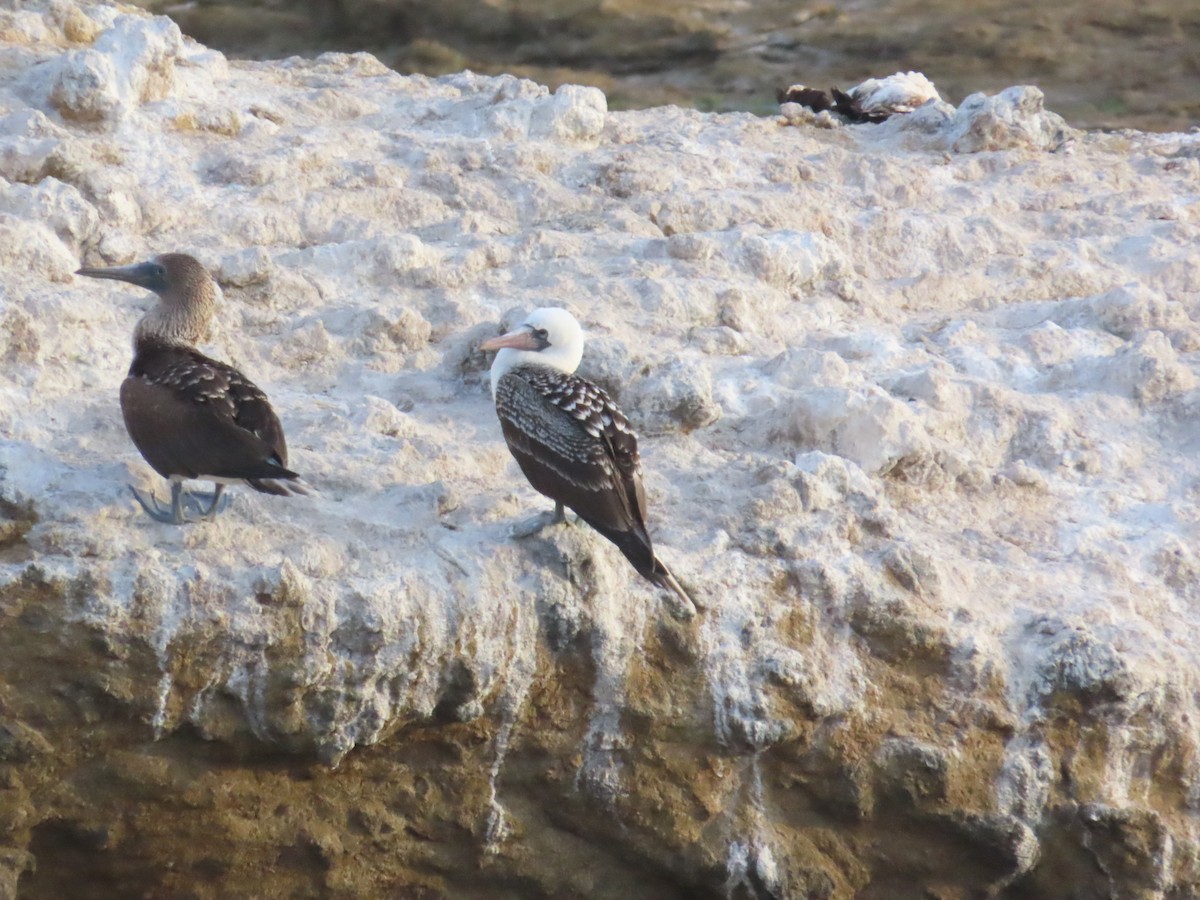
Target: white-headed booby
894	95
875	100
189	415
570	439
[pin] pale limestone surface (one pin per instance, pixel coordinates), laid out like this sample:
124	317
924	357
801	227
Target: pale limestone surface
919	427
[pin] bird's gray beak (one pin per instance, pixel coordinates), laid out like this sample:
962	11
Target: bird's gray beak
145	274
521	339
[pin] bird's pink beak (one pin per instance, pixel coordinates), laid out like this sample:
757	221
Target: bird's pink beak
521	339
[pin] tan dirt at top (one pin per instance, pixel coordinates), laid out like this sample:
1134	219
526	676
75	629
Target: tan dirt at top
1101	63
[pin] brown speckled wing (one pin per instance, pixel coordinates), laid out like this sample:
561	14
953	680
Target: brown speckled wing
194	417
578	449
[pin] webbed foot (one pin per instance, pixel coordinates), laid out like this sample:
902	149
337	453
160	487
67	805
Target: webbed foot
217	501
185	507
534	524
168	515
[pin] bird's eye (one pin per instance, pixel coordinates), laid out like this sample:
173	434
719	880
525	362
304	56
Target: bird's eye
541	334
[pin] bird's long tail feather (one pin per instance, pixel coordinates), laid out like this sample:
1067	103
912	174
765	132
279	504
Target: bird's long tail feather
282	487
686	607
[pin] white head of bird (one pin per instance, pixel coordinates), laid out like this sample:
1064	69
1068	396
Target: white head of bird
548	337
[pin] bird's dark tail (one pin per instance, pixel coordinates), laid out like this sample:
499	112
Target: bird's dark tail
286	484
661	576
636	546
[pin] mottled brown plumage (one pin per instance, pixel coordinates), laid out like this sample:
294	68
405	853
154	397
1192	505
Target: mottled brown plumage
195	417
587	459
812	98
190	416
572	442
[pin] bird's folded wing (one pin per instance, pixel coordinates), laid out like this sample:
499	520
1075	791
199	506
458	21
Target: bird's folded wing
562	457
193	416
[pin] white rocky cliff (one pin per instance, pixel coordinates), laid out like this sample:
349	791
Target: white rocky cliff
918	405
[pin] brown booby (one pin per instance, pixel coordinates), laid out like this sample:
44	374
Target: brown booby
570	439
189	415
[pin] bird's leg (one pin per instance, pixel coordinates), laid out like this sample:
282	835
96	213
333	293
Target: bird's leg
177	514
172	515
534	524
216	502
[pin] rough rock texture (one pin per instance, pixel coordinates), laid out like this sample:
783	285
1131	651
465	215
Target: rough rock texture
920	429
1014	119
1103	63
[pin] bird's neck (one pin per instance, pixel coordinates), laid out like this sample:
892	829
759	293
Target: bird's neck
508	359
176	320
563	359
